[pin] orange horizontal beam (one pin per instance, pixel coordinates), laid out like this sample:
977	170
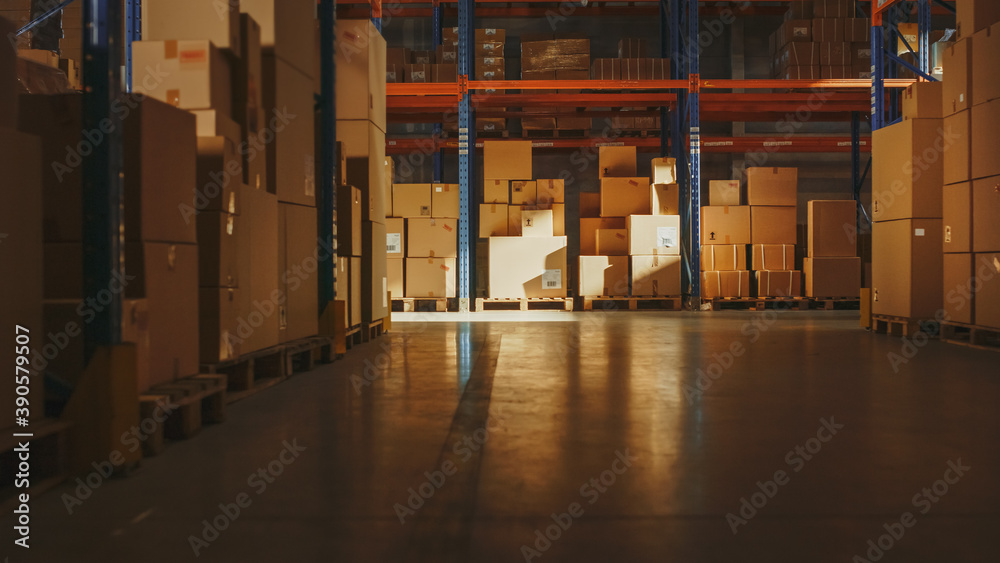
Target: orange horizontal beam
709	144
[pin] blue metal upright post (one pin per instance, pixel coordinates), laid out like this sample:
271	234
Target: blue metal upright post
466	152
677	119
694	116
102	172
328	157
437	18
878	77
924	33
133	32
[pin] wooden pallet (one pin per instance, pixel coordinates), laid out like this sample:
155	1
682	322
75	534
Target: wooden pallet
983	338
902	326
423	304
634	303
373	330
757	303
836	303
253	372
534	304
197	399
353	336
50	448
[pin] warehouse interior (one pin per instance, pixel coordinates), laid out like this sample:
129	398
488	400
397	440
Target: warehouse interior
662	280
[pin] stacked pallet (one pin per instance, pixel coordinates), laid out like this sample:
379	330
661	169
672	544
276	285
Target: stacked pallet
422	240
832	268
555	56
633	63
725	239
821	39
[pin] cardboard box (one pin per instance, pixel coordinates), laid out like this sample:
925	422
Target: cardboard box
258	260
537	223
832	228
957	212
836	73
975	15
375	275
523	192
835	54
356	290
665	199
190	74
802	73
653	235
906	268
959	284
923	100
773	186
612	242
725	284
621	197
957	159
606	276
288	93
606	69
589	228
985	124
342	289
986	209
349	211
772	257
550	191
218	314
833	9
219	174
723	257
725	225
289	31
390	175
664	170
435	238
514	219
898	190
656	276
361	75
445	200
396	277
590	204
617	162
395	239
857	30
366	166
795	30
832	277
509	160
418	73
558	218
957	92
298	223
988	295
724	192
496	191
523	268
985	52
828	30
773	283
218	22
493	220
412	200
773	225
218	264
430	277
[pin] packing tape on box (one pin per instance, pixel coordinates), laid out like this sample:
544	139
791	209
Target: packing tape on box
432	255
170	49
656	287
448	227
433	222
718	282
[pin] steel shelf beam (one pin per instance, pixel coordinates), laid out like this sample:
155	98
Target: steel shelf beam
716	145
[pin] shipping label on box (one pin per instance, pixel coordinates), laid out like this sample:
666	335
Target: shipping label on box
723	257
395	246
725	225
523	192
653	235
412	200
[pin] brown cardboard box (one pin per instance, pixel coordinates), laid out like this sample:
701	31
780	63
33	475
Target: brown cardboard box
653	235
774	283
857	30
589	228
514	219
957	160
493	220
343	287
957	92
724	192
430	277
773	186
906	268
357	288
218	264
985	52
922	100
366	167
959	284
360	72
374	273
444	200
802	73
435	238
957	212
395	239
907	39
835	54
537	223
219	175
395	73
632	48
390	177
975	15
799	10
773	225
288	93
828	30
527	267
656	275
723	257
899	191
418	73
832	228
988	296
396	277
606	69
218	22
861	54
725	225
604	276
258	260
190	74
832	277
507	160
444	72
836	72
523	192
166	275
302	307
833	9
218	317
986	209
445	54
550	191
248	102
665	199
616	162
725	284
664	170
496	191
558	218
772	257
412	200
985	124
289	31
349	211
621	197
398	56
612	242
423	57
795	30
590	204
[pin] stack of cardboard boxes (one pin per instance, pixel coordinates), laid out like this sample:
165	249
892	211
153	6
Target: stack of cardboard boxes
725	237
42	71
634	247
821	39
832	267
772	194
17	13
632	63
422	240
555	56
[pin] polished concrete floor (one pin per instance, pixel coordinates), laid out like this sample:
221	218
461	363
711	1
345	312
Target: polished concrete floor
625	437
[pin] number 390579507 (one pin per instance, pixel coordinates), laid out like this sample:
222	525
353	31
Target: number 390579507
21	372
